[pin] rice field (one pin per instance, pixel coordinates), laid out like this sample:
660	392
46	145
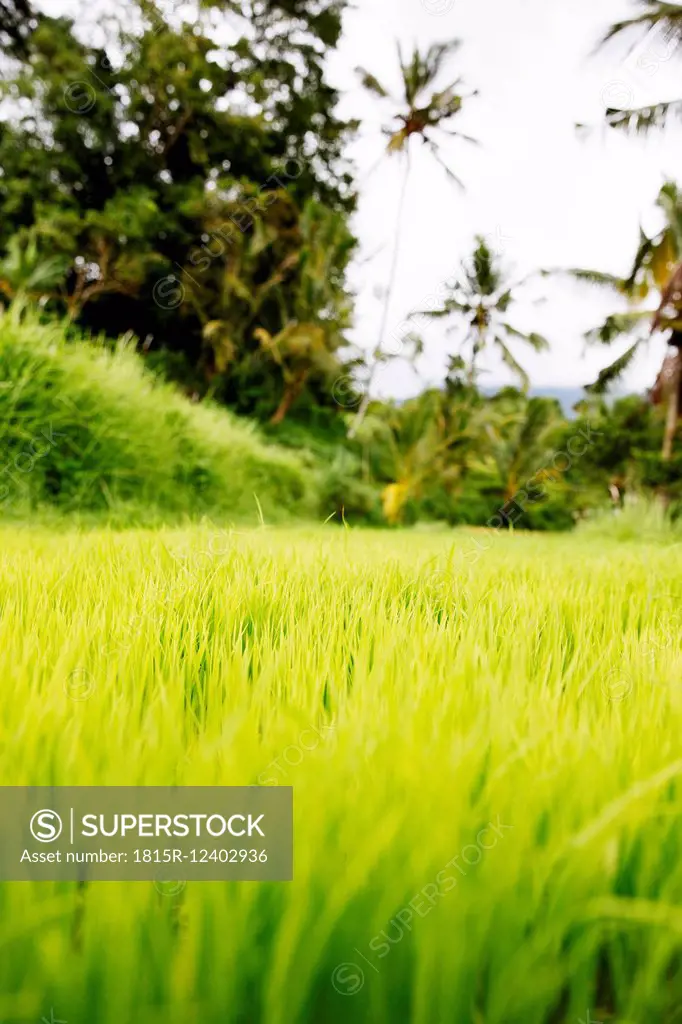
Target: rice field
483	733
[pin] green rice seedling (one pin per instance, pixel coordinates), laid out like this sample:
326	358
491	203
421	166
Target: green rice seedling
485	761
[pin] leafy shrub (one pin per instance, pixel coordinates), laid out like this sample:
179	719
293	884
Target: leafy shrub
343	495
553	514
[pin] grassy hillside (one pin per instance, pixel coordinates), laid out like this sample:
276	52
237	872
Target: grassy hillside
87	429
487	828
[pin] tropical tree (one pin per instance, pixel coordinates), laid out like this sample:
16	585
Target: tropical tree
123	150
423	113
276	277
252	245
299	350
431	439
519	434
316	311
102	252
624	454
480	299
665	16
653	289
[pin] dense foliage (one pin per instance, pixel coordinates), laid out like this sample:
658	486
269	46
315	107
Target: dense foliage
188	189
176	178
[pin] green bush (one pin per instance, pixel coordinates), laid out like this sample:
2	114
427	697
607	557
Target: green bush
343	495
86	428
553	514
480	502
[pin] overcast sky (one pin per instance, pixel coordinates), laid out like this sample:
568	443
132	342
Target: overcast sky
543	195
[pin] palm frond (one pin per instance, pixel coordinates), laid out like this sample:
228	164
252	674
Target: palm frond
659	14
615	370
483	271
643	251
449	306
504	301
397	141
422	70
48	273
439	109
438	158
509	360
619	324
594	277
642	120
458	135
671	303
537	342
662	259
670	202
436	57
539	415
372	83
434	314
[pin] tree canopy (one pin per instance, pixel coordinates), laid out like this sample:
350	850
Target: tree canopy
168	174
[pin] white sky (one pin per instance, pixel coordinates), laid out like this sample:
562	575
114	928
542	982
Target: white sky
543	195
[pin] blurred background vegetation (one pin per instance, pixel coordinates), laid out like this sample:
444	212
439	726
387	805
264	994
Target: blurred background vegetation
175	238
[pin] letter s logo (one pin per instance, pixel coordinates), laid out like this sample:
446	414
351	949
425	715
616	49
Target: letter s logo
46	826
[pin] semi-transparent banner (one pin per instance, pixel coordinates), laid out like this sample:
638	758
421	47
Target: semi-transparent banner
146	833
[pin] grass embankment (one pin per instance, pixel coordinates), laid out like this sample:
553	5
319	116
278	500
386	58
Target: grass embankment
87	430
487	828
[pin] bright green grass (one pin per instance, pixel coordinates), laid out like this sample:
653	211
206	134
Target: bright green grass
87	430
540	688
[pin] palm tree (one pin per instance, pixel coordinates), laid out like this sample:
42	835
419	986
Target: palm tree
655	14
299	350
252	250
519	438
422	112
277	276
317	311
433	438
481	299
657	271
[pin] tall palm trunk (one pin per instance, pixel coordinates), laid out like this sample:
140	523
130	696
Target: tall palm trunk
366	398
673	410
